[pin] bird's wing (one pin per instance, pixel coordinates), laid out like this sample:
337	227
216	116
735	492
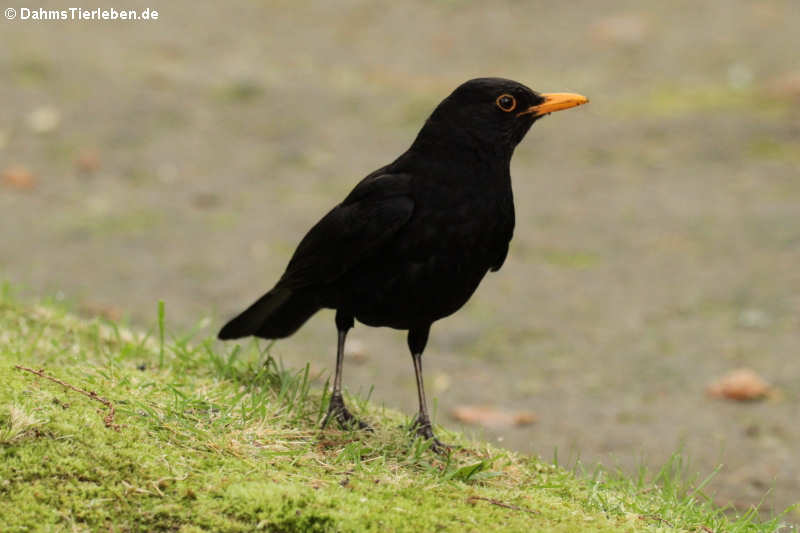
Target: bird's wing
352	231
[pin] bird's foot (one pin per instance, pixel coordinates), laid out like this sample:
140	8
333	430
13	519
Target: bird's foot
337	410
422	427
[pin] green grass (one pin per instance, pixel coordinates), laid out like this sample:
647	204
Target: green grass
221	438
675	100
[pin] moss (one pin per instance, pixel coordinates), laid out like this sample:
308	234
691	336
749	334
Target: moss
671	101
578	259
774	150
241	91
32	71
226	439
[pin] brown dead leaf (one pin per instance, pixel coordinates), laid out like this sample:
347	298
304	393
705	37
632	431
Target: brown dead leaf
491	417
742	384
786	86
18	177
88	161
623	28
109	312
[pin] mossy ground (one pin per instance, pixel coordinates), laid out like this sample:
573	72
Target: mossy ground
658	229
226	439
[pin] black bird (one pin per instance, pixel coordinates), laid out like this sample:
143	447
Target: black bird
412	241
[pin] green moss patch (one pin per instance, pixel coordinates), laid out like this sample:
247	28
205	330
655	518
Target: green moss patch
213	438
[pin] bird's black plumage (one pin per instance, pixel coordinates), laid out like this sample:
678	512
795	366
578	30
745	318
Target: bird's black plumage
413	240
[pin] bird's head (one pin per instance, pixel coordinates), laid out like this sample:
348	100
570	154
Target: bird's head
492	113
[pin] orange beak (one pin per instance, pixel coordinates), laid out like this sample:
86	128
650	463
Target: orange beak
555	102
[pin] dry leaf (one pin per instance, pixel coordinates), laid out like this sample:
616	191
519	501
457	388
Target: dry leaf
18	177
786	86
625	28
490	417
88	161
741	385
109	312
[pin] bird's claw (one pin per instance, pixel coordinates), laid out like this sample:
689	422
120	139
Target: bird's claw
422	427
346	420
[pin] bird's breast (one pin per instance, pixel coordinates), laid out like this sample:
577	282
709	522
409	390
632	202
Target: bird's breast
432	267
467	226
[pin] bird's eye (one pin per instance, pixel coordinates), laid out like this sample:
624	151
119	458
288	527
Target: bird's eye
506	102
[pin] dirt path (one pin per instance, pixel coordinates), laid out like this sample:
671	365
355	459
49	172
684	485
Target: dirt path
658	231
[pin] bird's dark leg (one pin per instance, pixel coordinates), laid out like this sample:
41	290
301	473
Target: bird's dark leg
336	408
417	338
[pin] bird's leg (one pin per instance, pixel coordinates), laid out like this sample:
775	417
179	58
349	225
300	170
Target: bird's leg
336	408
417	338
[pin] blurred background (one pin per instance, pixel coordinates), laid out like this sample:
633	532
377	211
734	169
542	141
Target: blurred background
658	228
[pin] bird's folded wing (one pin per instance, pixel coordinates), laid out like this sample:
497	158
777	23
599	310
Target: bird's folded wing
351	232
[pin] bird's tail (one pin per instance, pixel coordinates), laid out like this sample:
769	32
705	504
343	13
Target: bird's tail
277	314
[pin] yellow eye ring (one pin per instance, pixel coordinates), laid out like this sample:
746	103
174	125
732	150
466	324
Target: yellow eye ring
506	102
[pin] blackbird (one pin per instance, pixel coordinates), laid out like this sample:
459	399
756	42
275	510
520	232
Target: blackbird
412	241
